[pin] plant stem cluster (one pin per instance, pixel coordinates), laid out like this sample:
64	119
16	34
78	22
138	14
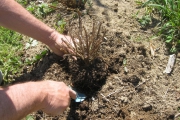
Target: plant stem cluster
86	44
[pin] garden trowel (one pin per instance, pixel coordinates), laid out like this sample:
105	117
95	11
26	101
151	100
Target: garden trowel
79	95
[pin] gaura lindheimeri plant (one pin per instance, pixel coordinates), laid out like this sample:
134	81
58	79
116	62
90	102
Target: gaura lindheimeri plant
86	44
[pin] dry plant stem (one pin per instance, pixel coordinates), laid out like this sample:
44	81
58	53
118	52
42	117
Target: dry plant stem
87	42
74	42
97	46
114	92
95	42
98	31
82	43
104	97
92	36
86	45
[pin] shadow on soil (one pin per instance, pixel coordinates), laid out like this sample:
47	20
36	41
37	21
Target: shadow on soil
38	70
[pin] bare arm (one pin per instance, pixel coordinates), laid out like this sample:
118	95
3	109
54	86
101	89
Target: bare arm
15	17
18	100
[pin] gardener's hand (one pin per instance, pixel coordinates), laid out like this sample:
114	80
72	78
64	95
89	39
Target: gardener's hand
58	46
57	97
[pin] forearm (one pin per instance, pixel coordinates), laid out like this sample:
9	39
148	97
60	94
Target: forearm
18	100
15	17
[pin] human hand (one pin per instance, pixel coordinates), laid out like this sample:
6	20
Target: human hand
57	97
58	46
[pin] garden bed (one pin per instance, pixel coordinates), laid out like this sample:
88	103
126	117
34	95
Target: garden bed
125	81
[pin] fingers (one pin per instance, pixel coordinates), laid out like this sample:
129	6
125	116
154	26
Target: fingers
64	45
58	98
72	94
64	50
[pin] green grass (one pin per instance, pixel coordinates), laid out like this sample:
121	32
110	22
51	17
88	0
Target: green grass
169	29
10	53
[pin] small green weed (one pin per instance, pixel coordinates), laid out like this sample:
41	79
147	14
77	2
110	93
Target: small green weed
31	43
89	4
36	58
61	26
29	117
134	15
32	7
125	65
39	10
145	20
138	2
23	2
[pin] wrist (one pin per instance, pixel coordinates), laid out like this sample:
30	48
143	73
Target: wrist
39	94
54	36
30	92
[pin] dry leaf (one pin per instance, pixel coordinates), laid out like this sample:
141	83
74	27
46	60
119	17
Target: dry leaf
152	48
170	64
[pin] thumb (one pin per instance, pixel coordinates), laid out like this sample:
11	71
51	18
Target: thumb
72	94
